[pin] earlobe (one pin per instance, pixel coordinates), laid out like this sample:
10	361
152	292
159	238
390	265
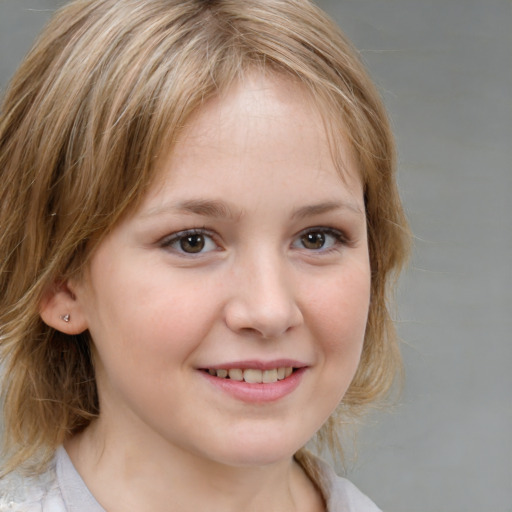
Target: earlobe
60	309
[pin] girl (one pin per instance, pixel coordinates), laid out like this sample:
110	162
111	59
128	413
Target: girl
199	223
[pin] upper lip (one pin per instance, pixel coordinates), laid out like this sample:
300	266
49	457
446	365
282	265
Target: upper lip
254	364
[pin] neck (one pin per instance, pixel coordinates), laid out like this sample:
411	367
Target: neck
127	474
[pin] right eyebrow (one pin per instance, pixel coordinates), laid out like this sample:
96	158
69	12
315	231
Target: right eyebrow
203	207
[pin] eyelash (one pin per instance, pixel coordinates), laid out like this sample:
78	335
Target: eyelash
340	239
180	236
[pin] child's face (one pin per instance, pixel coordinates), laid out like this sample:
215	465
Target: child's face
250	254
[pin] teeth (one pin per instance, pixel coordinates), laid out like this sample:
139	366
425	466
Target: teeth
252	375
236	374
270	376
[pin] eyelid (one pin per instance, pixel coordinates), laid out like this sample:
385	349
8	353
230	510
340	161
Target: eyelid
340	236
340	239
167	241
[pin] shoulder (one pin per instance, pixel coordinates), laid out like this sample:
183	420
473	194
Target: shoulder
40	493
340	494
346	496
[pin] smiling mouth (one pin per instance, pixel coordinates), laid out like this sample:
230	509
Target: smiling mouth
252	375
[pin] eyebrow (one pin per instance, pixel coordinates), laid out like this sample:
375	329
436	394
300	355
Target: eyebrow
203	207
329	206
220	209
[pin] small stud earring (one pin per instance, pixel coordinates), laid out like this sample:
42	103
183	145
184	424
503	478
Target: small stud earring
66	318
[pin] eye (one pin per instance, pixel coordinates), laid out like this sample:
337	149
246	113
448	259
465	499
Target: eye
319	239
194	241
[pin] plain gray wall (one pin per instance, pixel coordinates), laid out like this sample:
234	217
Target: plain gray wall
444	68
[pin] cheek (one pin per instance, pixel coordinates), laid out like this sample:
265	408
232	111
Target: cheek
145	342
339	313
143	325
158	327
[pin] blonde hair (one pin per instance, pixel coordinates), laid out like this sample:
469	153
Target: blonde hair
107	86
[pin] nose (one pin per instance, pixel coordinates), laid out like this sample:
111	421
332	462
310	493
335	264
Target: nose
263	300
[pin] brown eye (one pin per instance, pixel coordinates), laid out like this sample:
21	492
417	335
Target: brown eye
192	243
313	240
320	240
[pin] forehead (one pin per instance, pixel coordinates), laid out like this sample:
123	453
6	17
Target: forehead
262	119
258	145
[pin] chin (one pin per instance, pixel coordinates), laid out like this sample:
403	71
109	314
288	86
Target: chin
259	449
256	458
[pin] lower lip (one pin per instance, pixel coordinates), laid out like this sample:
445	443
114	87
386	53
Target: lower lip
257	393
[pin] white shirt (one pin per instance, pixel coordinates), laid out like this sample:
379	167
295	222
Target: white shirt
61	489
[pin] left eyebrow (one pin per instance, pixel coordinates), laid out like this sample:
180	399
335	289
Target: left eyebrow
329	206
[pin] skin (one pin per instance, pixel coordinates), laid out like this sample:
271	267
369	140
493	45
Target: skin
252	172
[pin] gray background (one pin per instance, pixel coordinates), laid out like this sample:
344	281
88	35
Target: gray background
445	70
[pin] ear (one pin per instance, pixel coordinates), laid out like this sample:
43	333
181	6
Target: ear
60	309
